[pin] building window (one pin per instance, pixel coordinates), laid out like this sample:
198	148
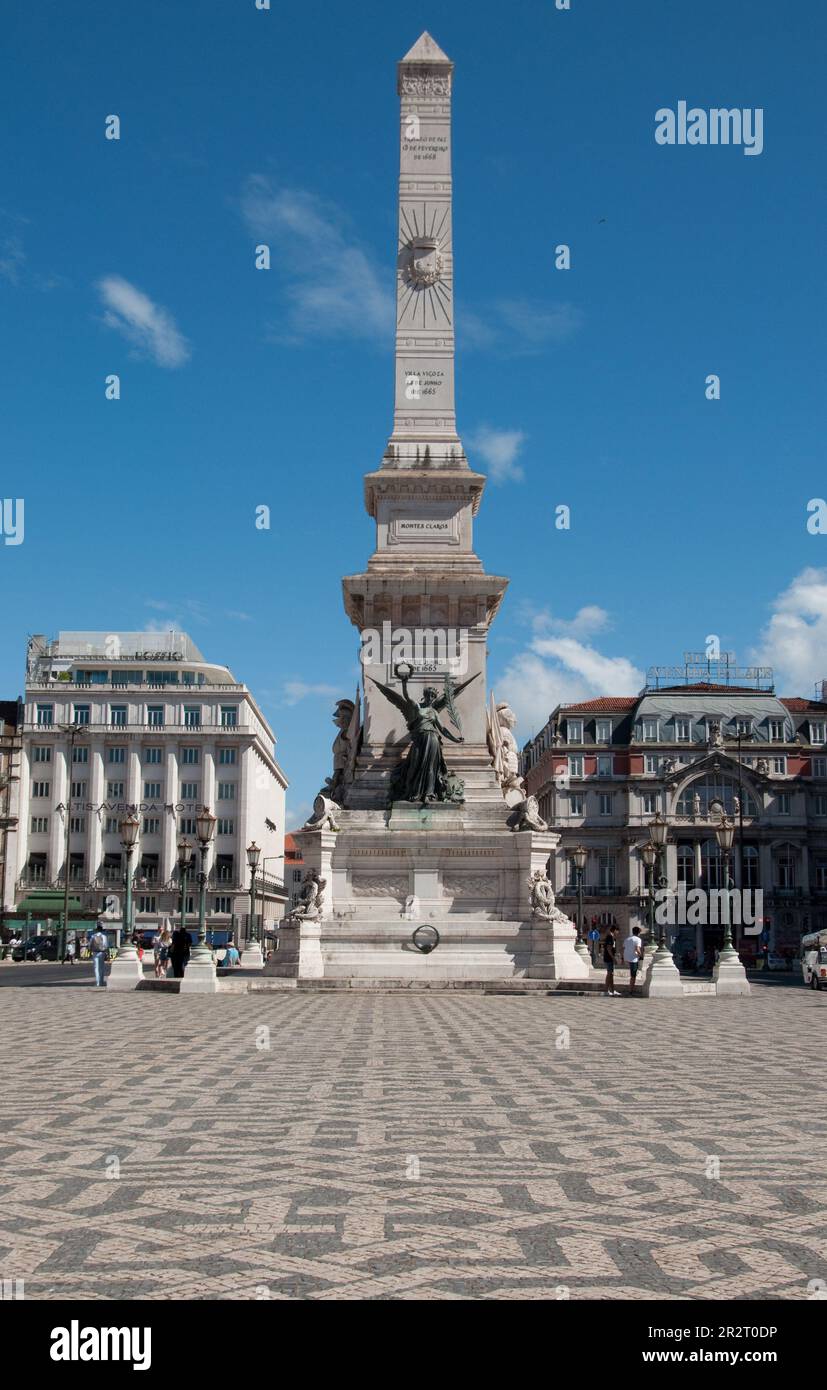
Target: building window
117	716
683	730
190	907
91	677
186	826
709	789
686	865
152	791
817	731
651	762
155	716
40	788
77	825
785	870
229	716
224	868
82	714
743	727
152	755
80	755
783	803
40	825
712	865
114	791
116	755
576	805
149	868
192	716
650	731
152	825
605	765
226	756
819	767
111	826
603	731
147	902
112	868
574	731
749	867
776	730
78	791
37	868
189	755
606	799
605	870
45	716
226	790
189	791
779	765
127	677
821	805
649	803
223	905
77	868
42	753
821	874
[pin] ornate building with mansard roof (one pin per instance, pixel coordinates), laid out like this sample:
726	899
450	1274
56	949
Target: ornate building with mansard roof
601	769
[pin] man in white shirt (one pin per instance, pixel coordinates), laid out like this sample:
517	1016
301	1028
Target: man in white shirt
632	954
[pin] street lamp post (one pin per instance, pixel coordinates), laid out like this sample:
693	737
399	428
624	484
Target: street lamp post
184	865
73	730
579	855
127	971
205	828
663	979
253	956
729	975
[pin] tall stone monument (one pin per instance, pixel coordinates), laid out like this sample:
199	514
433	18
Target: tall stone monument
424	858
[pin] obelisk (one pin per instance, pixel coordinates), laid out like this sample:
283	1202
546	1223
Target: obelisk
423	576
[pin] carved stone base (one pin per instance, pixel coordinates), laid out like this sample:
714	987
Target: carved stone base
252	958
199	978
125	972
729	976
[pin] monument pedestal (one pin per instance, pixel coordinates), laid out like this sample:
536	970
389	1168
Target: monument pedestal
729	975
457	869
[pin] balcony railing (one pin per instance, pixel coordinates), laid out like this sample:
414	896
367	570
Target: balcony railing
113	730
593	890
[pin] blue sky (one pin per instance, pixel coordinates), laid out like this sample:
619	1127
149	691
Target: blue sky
584	387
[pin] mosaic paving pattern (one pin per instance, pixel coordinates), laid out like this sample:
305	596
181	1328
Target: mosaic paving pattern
414	1147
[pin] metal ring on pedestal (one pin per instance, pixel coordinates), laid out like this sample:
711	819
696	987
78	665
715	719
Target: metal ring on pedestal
427	945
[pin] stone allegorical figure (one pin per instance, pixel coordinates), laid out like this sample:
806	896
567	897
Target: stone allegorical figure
527	816
543	904
504	751
324	815
423	776
346	717
311	896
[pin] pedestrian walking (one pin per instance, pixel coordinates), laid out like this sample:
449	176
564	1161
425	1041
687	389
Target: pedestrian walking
609	952
594	941
179	951
70	952
99	946
163	942
632	954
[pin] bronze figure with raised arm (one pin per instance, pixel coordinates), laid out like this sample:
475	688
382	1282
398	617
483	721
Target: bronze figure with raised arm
423	776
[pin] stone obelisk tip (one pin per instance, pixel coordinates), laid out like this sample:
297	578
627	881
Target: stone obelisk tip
426	50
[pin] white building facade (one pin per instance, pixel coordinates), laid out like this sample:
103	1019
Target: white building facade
115	721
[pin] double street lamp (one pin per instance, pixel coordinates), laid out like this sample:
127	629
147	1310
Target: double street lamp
651	853
253	856
129	829
185	858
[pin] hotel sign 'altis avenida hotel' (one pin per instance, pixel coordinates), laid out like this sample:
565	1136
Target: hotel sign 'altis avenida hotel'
120	720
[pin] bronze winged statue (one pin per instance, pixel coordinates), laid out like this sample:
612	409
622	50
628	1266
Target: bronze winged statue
422	776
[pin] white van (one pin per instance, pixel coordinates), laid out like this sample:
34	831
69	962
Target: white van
814	959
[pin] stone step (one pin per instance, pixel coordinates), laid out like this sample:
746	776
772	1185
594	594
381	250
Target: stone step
171	986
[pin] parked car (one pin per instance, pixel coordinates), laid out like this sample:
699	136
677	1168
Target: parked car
36	948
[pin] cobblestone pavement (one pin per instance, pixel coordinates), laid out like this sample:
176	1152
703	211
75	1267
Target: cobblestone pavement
413	1147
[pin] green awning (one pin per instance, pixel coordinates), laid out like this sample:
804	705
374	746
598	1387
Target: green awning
46	904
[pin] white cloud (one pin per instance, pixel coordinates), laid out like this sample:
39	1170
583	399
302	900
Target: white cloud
591	618
517	326
294	691
12	259
563	669
297	816
149	327
332	285
499	449
794	641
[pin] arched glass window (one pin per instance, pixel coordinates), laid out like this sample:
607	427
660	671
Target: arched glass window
749	867
712	865
686	865
714	788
